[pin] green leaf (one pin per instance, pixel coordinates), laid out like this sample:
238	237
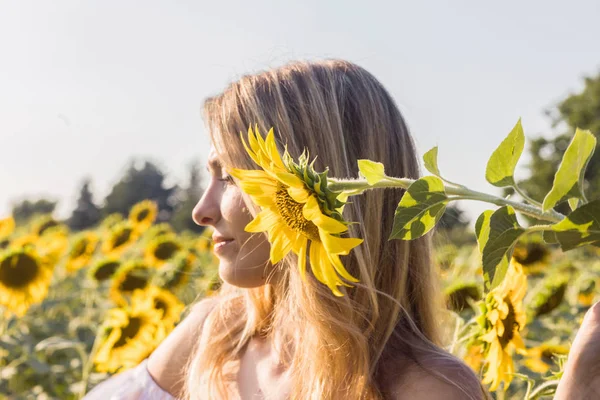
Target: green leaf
430	161
580	228
371	170
497	232
501	165
573	202
420	208
568	179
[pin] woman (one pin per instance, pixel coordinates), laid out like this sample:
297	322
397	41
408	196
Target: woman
270	334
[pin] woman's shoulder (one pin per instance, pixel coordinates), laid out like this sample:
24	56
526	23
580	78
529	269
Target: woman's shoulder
443	378
167	363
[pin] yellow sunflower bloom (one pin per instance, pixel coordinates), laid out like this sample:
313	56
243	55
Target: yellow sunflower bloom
159	230
162	300
24	279
7	227
143	214
540	359
129	277
161	249
503	319
104	270
110	221
119	238
42	224
82	250
130	335
179	271
291	212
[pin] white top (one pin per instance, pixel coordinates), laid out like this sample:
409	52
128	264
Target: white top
133	384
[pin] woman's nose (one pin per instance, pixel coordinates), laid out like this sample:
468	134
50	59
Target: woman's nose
207	211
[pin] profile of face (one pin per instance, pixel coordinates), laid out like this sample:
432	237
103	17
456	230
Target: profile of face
243	256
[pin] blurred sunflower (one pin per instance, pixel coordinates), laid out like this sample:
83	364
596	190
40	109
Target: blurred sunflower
110	221
459	294
104	270
119	238
540	359
161	249
7	227
143	214
130	335
532	253
204	241
501	321
214	284
162	300
82	250
24	279
548	296
129	277
42	224
291	197
178	274
159	230
587	292
474	357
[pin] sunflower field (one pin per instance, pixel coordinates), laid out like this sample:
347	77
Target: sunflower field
76	308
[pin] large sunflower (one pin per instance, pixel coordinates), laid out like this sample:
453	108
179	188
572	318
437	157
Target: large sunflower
24	279
161	249
143	214
162	300
291	196
129	277
119	238
502	320
7	226
130	335
82	250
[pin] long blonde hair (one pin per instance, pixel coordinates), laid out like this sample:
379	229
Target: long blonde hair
334	347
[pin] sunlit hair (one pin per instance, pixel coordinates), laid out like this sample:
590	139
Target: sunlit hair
349	347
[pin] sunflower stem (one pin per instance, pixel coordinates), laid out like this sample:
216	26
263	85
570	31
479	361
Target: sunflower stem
357	186
87	362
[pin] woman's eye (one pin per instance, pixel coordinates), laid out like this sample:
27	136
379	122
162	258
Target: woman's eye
227	179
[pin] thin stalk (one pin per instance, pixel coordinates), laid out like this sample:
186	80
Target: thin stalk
525	197
462	193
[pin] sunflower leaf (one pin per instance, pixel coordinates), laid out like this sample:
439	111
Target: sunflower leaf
497	232
421	207
579	228
371	170
568	180
430	161
501	165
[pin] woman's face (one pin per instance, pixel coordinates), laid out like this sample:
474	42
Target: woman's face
243	256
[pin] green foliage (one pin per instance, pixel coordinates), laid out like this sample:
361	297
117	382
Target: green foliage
497	232
421	207
86	214
579	110
581	227
25	210
501	165
146	183
182	216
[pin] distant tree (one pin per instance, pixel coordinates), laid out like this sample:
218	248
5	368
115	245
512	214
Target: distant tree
141	184
86	213
580	110
453	218
182	216
24	210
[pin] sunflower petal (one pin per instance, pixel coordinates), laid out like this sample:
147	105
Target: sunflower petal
262	222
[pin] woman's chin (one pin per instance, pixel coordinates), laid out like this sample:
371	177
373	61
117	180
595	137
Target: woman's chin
241	278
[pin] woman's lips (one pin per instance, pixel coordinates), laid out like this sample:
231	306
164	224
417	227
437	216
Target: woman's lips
222	245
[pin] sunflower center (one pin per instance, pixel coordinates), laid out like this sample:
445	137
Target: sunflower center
129	332
121	237
142	215
291	213
18	270
160	305
132	282
105	271
79	248
510	325
165	250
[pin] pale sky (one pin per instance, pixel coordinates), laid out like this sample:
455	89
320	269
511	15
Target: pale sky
86	85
